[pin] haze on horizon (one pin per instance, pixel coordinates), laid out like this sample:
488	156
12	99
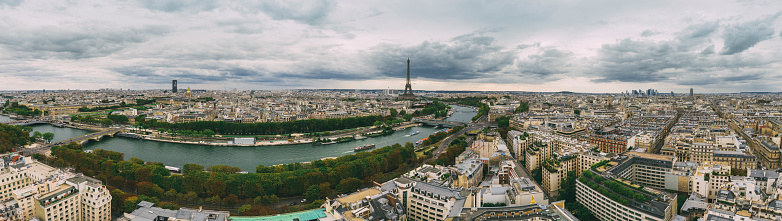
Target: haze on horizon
595	46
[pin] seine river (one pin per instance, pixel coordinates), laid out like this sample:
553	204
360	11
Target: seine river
246	158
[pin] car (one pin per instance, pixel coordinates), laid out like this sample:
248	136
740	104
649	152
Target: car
293	203
303	200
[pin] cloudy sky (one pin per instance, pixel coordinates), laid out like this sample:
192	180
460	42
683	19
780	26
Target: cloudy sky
582	46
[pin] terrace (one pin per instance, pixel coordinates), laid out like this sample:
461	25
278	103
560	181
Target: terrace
64	192
628	194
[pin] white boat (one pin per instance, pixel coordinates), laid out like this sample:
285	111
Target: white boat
359	137
412	133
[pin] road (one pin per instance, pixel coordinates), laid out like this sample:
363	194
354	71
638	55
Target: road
288	201
480	124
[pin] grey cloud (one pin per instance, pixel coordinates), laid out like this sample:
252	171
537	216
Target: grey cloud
698	30
525	46
688	58
308	12
649	32
179	5
742	78
546	63
637	61
10	2
695	35
75	42
708	50
743	36
464	57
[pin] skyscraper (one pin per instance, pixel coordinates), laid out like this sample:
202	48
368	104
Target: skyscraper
173	86
408	94
690	92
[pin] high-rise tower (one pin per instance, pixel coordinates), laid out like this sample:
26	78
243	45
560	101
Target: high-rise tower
173	86
408	94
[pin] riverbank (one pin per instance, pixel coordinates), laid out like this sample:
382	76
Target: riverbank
245	157
268	142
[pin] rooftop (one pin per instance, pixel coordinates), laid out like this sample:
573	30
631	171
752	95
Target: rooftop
358	196
316	214
652	156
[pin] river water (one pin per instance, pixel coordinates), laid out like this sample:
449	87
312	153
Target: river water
246	158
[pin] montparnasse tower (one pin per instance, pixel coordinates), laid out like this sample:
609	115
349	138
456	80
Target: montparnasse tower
408	94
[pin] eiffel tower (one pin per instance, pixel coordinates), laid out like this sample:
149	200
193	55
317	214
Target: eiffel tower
408	94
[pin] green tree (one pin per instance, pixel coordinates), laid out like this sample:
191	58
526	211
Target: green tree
393	112
324	189
48	137
106	122
523	107
273	199
577	112
245	208
208	133
312	193
37	135
349	185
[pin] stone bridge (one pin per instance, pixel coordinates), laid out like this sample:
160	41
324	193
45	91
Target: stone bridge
80	139
27	122
439	122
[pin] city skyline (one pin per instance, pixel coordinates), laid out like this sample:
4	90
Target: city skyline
596	47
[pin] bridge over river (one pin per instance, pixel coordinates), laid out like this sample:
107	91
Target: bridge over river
439	122
27	122
80	139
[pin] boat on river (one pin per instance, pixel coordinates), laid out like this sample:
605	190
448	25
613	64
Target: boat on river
365	147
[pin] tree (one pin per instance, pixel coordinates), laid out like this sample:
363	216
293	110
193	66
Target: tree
190	167
208	133
48	136
523	107
106	122
245	208
273	199
349	185
537	175
577	112
568	191
324	189
118	118
312	193
231	200
393	112
407	117
37	135
214	200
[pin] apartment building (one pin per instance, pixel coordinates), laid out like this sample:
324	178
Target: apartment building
469	173
645	168
735	159
701	152
608	204
427	201
43	192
